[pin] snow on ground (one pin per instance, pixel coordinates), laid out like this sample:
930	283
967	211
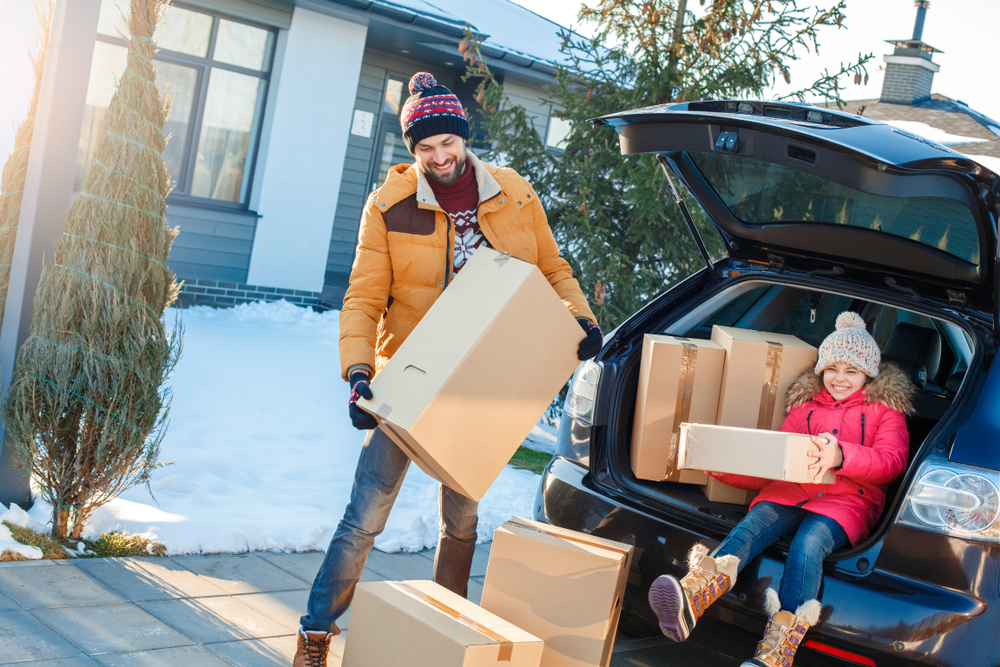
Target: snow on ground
265	450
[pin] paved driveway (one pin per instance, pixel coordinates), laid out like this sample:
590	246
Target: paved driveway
208	611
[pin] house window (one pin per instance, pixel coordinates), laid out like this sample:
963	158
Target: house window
217	71
559	129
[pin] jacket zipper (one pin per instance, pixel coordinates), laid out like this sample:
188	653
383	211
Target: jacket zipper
809	428
862	429
448	247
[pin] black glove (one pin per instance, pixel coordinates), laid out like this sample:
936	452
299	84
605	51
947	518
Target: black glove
591	345
359	388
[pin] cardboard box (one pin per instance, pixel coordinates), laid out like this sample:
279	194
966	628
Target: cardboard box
422	624
679	381
760	367
720	492
466	387
562	586
748	451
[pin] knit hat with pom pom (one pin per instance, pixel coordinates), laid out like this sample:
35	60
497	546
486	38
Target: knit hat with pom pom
430	110
852	344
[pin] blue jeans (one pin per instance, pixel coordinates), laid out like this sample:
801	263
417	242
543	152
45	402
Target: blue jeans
816	536
379	475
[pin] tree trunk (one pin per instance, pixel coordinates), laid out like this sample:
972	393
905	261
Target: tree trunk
60	523
674	44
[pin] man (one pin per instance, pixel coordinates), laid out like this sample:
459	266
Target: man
417	232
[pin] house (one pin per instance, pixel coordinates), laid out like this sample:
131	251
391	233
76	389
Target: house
285	118
906	101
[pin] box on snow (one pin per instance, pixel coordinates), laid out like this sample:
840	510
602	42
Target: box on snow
720	492
562	586
679	381
748	451
466	387
760	367
422	624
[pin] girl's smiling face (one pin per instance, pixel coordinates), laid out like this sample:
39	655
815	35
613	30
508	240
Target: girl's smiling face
841	380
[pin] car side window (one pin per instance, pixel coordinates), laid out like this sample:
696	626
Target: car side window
730	314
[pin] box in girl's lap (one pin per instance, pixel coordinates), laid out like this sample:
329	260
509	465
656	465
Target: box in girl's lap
747	451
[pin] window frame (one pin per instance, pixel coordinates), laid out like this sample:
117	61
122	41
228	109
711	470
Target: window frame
203	66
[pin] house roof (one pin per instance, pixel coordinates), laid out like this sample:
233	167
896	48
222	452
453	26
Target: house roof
943	120
509	29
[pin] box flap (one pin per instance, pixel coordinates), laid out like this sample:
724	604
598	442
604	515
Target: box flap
592	543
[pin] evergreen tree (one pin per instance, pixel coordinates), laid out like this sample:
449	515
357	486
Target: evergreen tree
87	406
615	217
16	167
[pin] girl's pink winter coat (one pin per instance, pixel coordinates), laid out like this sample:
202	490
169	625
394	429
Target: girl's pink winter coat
870	426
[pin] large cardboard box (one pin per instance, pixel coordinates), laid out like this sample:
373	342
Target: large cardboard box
562	586
720	492
679	381
748	451
760	367
422	624
466	387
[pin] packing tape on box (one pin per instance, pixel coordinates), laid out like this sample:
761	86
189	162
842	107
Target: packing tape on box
506	645
685	388
578	540
769	392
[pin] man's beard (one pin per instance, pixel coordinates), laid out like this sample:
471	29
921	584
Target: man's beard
450	178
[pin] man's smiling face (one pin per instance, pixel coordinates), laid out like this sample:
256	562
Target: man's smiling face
441	157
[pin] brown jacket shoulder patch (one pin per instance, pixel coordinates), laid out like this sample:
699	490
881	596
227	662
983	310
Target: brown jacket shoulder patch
406	218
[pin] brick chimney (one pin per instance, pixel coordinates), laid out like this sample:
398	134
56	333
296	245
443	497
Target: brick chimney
910	69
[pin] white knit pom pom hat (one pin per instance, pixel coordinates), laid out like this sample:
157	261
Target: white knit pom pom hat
852	344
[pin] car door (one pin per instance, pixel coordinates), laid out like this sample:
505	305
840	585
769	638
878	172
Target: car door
811	188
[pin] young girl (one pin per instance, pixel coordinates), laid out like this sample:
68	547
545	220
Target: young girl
855	410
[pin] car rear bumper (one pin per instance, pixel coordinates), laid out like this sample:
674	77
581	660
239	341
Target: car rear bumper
887	619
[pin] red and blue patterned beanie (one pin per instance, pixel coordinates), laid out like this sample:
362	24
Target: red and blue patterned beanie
430	110
852	344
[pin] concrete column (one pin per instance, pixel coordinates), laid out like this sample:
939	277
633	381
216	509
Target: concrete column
319	75
48	189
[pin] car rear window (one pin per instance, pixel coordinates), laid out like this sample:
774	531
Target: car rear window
759	192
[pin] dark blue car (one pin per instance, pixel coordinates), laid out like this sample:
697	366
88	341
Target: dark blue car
820	212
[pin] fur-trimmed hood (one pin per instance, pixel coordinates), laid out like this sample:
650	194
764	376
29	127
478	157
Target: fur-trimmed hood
890	387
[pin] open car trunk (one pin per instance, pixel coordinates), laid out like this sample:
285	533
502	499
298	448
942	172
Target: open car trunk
935	353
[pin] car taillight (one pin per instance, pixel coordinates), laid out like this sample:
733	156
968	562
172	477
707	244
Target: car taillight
954	499
582	391
573	441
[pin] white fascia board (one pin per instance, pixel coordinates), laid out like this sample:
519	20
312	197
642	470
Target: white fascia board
319	76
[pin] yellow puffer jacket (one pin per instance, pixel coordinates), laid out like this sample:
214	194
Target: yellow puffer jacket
405	256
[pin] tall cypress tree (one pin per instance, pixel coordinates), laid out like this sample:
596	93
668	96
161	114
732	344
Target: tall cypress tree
16	167
87	406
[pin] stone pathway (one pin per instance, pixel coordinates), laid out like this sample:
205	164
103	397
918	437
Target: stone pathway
196	611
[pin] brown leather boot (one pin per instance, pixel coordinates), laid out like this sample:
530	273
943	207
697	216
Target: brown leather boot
784	632
453	563
679	604
313	647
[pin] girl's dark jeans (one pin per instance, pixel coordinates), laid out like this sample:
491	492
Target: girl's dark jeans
816	536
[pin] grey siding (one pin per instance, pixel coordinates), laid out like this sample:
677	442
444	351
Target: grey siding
355	184
534	102
213	243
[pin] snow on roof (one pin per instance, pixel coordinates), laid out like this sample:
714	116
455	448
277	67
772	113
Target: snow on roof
988	161
510	27
935	134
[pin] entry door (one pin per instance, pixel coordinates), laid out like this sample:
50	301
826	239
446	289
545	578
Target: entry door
389	147
389	151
